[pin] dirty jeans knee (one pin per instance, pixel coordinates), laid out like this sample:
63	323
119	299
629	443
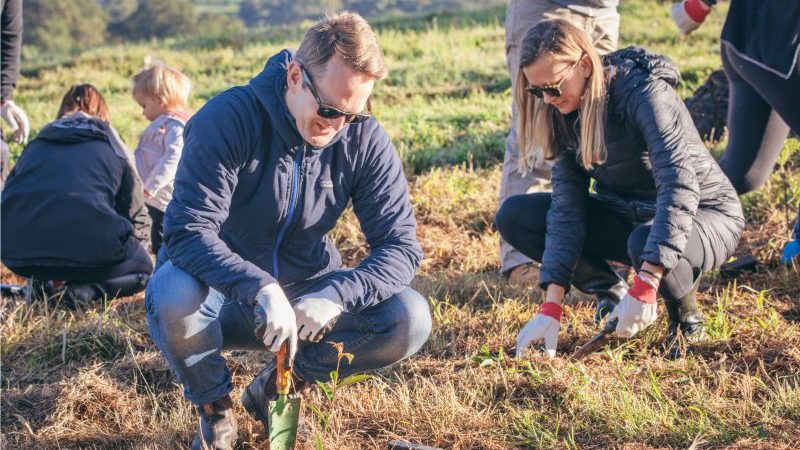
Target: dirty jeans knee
182	315
378	336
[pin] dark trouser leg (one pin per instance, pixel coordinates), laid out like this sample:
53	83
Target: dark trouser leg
679	285
761	110
756	132
522	221
92	283
156	229
679	289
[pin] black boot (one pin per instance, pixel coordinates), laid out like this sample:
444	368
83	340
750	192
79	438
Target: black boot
604	307
75	294
80	293
41	290
217	429
262	390
595	276
259	393
685	324
125	285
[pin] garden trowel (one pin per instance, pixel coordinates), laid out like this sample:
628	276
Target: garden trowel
284	411
597	342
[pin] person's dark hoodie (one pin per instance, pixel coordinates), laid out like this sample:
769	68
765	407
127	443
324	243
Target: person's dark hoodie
73	199
253	203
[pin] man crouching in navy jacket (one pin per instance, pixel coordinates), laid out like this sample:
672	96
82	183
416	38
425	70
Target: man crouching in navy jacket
266	172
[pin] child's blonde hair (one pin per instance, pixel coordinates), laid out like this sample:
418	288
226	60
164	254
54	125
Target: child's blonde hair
166	84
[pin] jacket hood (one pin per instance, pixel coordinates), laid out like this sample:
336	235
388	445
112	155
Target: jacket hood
630	67
81	127
269	87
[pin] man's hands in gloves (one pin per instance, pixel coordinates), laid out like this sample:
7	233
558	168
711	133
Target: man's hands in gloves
317	313
638	308
544	326
275	319
17	121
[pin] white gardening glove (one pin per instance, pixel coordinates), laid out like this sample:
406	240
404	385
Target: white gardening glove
317	313
17	120
688	15
543	326
637	310
275	320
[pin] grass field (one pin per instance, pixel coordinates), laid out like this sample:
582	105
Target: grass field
93	379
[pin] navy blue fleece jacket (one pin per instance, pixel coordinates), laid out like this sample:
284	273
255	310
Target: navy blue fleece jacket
253	203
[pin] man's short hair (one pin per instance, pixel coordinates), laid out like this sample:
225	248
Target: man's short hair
348	35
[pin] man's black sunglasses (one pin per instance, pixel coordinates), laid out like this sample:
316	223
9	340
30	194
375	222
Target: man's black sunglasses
329	112
553	90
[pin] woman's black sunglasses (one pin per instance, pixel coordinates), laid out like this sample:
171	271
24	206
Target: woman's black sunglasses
553	90
329	112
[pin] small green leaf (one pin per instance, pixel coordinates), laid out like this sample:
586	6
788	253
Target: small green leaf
326	389
353	379
349	357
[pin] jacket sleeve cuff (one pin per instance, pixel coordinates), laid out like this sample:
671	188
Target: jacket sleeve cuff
328	293
7	93
545	279
659	259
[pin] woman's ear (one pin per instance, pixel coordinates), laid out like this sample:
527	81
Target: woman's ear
586	66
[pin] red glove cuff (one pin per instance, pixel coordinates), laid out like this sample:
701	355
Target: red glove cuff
642	291
696	10
551	309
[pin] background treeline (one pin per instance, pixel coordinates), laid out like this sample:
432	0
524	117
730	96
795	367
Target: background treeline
59	26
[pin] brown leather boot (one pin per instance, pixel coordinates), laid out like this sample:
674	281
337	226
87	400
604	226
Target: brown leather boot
217	429
524	275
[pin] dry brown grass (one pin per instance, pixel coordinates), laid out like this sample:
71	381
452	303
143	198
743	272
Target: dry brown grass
93	379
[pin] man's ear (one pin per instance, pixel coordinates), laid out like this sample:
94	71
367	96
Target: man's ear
294	76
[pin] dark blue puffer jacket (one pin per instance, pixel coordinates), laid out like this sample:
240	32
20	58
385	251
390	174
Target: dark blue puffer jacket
657	172
253	203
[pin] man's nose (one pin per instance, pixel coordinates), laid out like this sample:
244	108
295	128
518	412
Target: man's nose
337	123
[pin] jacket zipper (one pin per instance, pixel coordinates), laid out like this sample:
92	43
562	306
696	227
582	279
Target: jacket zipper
292	206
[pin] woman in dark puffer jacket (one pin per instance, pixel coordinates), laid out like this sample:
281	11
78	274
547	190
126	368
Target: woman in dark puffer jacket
659	200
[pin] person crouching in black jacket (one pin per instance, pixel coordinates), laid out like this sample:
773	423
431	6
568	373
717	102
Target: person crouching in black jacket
73	215
659	200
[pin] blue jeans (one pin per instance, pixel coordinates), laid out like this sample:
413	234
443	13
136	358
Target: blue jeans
192	324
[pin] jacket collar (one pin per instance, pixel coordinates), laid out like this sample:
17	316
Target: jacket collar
269	87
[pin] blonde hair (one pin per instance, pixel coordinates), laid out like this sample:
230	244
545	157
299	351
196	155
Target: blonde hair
166	84
542	128
348	35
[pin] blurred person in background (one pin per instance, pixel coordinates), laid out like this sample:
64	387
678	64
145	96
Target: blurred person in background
760	53
12	115
72	213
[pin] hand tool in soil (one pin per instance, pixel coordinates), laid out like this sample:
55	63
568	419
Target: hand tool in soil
599	341
284	411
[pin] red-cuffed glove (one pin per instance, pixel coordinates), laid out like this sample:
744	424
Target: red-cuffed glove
688	15
543	326
637	310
